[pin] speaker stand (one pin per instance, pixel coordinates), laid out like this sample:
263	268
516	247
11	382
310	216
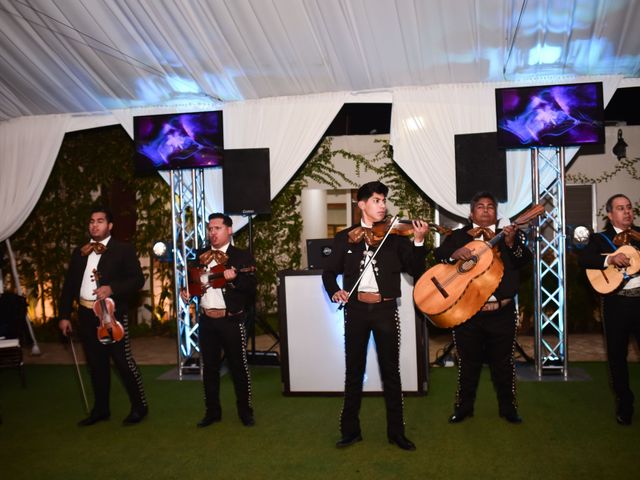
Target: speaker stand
254	356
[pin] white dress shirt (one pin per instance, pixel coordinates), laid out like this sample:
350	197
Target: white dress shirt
88	281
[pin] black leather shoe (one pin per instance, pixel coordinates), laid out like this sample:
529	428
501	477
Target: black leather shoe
208	420
403	442
459	417
248	421
623	419
348	440
91	419
136	416
512	417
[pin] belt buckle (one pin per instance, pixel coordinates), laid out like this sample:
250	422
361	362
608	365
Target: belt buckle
86	303
215	312
369	297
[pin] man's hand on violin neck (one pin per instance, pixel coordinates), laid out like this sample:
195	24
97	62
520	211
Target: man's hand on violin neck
230	274
420	229
103	292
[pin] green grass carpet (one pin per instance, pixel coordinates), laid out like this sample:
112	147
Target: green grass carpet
568	432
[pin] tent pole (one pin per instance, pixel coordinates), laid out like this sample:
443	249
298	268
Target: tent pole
35	350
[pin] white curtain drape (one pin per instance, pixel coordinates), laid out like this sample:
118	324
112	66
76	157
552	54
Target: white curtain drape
289	126
424	121
29	149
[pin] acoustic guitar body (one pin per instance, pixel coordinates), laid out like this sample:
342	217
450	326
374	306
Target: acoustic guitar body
610	279
451	294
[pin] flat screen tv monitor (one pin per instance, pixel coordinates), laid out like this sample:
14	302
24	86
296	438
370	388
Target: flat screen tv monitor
550	115
177	141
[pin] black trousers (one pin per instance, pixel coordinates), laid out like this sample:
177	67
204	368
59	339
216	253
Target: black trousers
228	334
621	321
98	359
360	321
487	336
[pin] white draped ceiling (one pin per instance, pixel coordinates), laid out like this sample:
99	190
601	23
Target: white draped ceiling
61	56
281	69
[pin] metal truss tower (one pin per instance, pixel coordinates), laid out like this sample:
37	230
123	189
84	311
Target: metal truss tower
550	312
188	226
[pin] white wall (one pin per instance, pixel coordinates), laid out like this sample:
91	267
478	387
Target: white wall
594	166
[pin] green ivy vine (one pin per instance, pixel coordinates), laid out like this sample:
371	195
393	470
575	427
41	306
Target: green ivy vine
628	165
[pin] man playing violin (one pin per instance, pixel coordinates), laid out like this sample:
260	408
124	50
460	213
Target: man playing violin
120	278
490	333
372	308
222	318
620	308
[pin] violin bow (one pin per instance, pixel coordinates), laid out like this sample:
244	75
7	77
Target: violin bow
75	361
393	223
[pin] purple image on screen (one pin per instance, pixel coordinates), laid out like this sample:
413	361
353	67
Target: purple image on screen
557	115
186	140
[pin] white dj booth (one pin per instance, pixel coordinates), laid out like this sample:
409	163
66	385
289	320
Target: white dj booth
312	339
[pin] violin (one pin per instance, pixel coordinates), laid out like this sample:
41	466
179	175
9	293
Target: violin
403	227
201	279
110	329
381	230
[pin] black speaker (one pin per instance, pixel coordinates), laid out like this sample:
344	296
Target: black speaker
246	185
480	166
318	249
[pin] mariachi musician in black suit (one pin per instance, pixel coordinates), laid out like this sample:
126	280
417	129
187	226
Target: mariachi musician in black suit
490	333
222	319
620	308
373	308
120	277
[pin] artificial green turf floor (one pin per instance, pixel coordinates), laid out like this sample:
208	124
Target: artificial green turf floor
568	432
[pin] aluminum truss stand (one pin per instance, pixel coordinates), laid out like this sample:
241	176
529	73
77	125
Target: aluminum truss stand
188	226
550	312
